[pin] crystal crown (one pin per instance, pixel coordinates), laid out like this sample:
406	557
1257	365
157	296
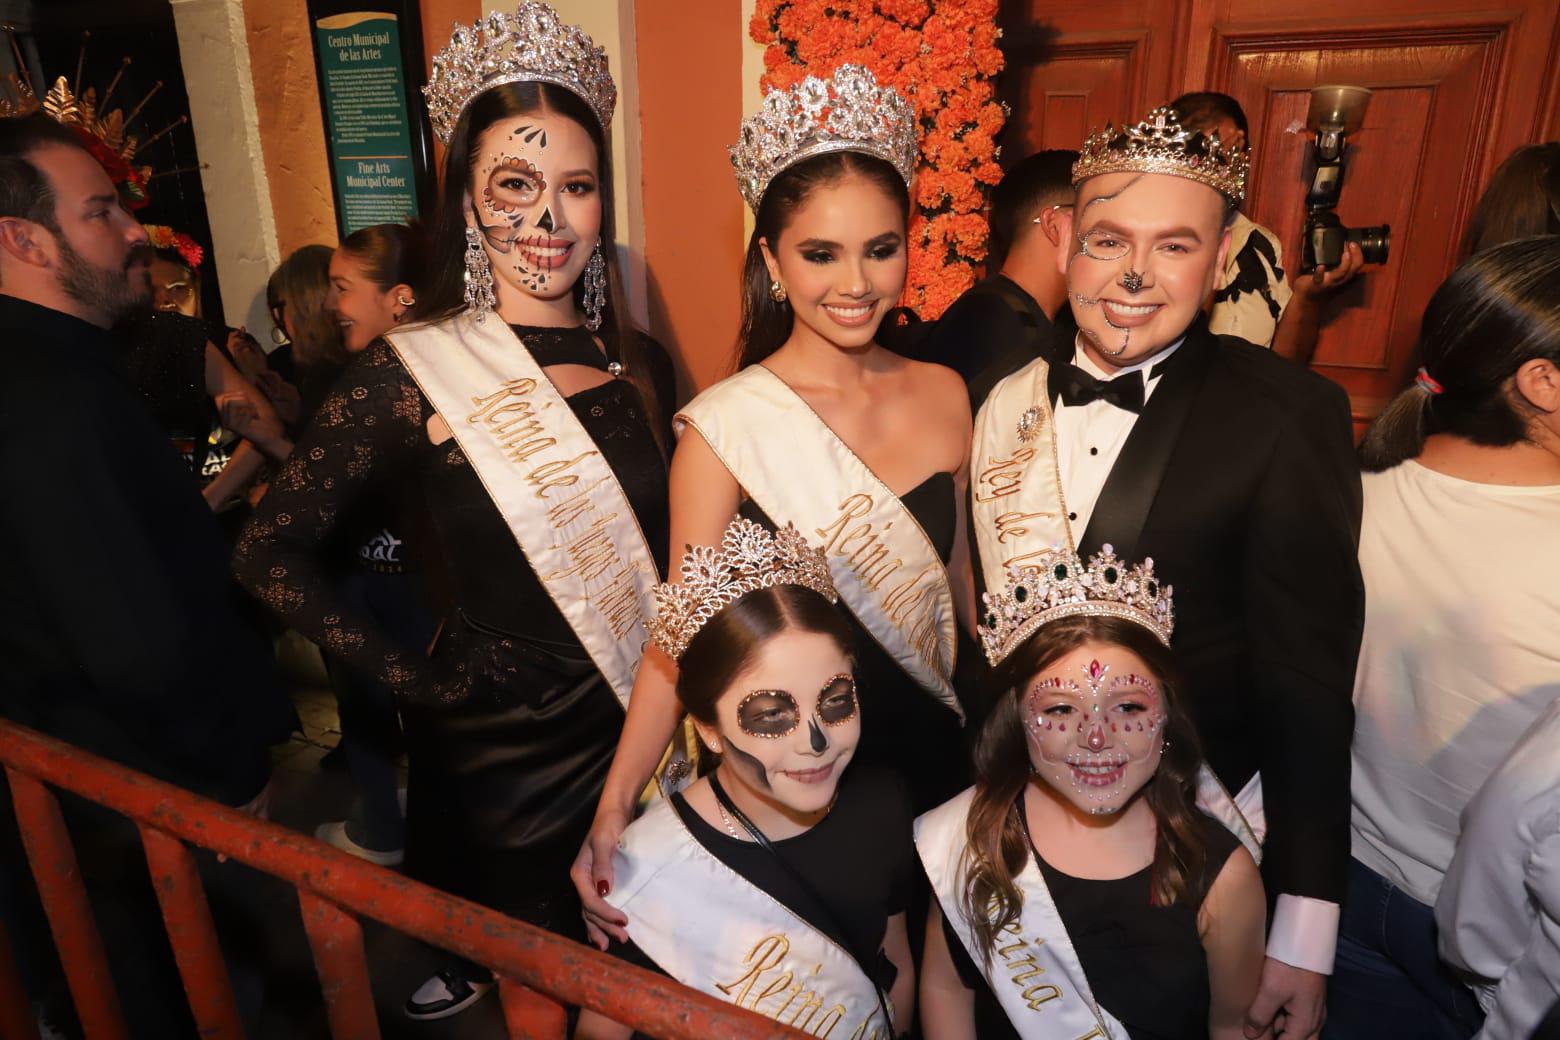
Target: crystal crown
848	112
749	558
1061	586
1160	144
531	45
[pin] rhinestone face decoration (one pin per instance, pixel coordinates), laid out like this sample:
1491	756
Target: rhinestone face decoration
531	45
1063	587
848	112
1160	144
749	558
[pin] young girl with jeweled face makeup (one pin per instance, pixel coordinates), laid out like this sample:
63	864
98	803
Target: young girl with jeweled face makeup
1080	890
780	880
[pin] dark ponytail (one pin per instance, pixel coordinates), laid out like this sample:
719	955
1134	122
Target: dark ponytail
1498	311
766	323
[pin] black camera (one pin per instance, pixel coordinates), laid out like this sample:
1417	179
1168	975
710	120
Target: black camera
1335	113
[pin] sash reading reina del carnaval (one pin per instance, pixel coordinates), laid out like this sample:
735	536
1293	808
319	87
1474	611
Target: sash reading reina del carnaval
548	479
793	466
1033	971
704	924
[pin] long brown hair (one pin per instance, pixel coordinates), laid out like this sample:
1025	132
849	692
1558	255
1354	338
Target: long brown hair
301	284
444	295
997	844
1497	312
766	324
1522	199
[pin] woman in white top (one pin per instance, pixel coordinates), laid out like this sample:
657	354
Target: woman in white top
1460	550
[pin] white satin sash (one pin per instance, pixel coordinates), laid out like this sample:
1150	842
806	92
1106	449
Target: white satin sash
547	479
712	929
1017	510
798	470
1034	972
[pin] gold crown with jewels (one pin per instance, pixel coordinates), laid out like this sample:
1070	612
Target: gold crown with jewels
1063	586
848	112
1160	144
749	558
531	45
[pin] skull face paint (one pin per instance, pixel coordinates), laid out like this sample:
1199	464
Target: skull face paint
1093	718
1149	247
535	198
790	723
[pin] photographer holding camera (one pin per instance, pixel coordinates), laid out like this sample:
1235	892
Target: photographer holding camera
1255	299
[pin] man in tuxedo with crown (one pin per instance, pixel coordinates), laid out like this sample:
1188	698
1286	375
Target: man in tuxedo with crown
1234	470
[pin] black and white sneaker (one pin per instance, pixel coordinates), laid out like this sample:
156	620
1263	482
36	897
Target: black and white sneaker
445	994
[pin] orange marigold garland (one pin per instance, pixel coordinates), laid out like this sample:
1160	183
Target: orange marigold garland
942	56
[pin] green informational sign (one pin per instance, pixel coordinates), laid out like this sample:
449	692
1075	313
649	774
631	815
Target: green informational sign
364	89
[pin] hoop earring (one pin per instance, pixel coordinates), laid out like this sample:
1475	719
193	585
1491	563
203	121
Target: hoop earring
777	291
595	288
479	277
404	302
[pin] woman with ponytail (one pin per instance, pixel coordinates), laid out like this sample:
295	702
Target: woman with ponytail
1081	891
1460	551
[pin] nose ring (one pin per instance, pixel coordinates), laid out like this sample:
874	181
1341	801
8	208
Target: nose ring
1132	281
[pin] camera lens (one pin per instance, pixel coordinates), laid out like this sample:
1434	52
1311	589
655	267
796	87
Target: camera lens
1374	242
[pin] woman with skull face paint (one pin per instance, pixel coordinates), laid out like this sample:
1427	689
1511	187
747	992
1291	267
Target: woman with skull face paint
824	428
516	399
1080	891
780	880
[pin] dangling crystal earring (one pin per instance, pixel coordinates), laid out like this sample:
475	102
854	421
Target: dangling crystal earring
595	288
479	277
777	291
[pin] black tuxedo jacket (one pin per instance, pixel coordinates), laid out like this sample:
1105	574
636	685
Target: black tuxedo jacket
1239	479
992	331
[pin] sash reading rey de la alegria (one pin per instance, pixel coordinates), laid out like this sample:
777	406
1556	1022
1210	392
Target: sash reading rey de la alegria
1017	509
710	928
547	479
798	470
1034	972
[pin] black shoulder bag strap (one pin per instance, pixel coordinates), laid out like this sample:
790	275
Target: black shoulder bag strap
812	893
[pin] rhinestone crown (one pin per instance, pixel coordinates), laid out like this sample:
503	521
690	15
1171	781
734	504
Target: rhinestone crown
749	558
531	45
1062	586
1160	144
848	112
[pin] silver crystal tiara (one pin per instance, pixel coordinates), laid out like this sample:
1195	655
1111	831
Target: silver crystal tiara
531	45
1060	585
848	112
749	558
1160	144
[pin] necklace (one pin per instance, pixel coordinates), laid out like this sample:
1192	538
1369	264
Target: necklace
731	827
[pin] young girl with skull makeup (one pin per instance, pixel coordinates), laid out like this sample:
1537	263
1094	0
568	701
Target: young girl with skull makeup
519	403
780	880
1080	891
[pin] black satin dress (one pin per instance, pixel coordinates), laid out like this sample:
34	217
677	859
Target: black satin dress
905	728
509	726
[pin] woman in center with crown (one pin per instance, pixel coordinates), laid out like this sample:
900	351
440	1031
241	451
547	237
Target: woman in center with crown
523	405
780	880
821	427
1080	891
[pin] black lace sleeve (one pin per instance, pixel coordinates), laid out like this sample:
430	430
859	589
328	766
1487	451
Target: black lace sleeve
368	428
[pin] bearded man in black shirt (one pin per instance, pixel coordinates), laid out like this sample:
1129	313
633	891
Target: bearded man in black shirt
120	629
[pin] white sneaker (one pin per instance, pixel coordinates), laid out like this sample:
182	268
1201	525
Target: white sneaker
443	995
335	833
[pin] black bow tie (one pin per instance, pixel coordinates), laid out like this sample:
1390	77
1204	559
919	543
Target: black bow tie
1073	386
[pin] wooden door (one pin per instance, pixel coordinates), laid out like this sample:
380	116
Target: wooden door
1456	89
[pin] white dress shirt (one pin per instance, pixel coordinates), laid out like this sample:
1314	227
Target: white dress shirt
1089	439
1499	908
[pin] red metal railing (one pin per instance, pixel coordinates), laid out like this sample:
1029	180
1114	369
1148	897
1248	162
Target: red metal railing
538	972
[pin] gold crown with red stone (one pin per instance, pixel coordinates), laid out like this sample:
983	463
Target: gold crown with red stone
532	45
1061	585
749	558
1160	144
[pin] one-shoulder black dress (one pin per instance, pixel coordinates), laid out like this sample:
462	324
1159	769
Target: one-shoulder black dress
509	726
